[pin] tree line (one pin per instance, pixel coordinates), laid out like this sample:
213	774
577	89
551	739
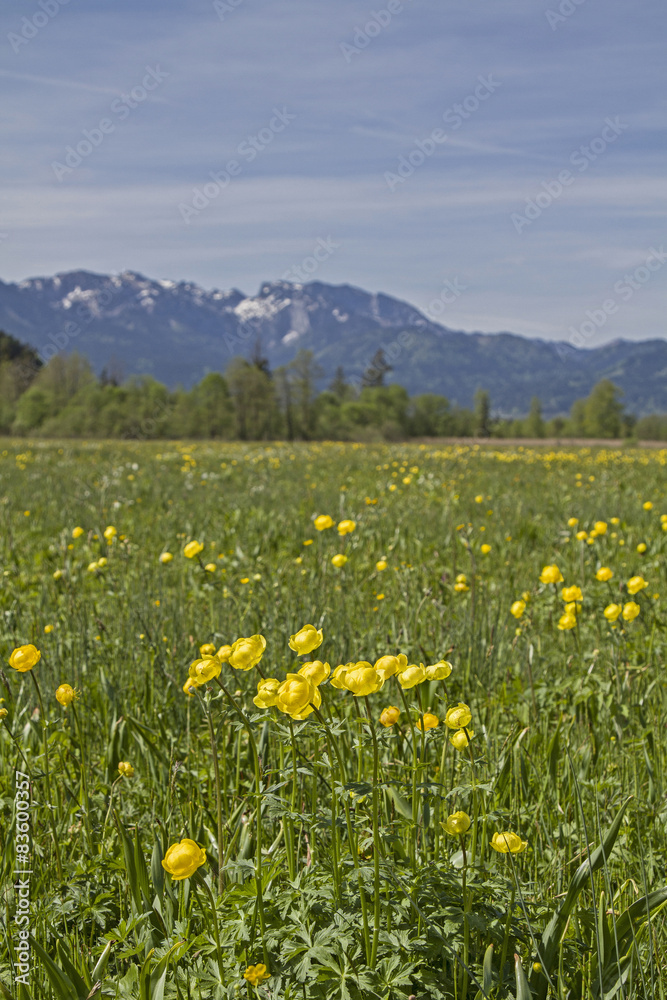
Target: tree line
64	398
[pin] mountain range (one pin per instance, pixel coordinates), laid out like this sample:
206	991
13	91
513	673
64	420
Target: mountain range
177	332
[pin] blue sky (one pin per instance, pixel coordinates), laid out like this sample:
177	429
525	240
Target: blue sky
318	104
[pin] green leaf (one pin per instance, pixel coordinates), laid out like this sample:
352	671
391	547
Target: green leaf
522	987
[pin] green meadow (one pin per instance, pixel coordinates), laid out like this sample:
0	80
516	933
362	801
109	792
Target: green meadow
452	786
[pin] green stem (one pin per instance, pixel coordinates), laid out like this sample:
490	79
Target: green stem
218	798
84	781
376	841
216	929
47	775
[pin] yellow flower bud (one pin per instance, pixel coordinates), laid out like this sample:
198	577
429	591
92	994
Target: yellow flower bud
315	671
389	665
508	843
551	574
192	549
457	824
246	653
126	769
362	679
429	720
346	527
267	692
458	716
65	694
306	640
297	696
438	671
411	675
24	658
182	860
390	716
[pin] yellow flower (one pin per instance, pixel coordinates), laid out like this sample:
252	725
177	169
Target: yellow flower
567	621
461	587
508	843
126	769
479	498
77	532
210	567
267	692
315	671
604	574
166	557
193	549
110	533
3	713
65	694
58	574
390	716
458	716
207	649
570	594
24	658
182	860
389	665
457	824
601	527
430	721
92	567
48	629
256	974
551	574
581	535
306	640
615	520
346	527
572	522
630	611
101	562
461	578
438	671
362	679
612	611
380	565
461	738
573	608
339	560
338	676
518	608
204	670
411	675
223	653
635	584
485	549
323	522
297	695
189	687
641	548
246	653
648	505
